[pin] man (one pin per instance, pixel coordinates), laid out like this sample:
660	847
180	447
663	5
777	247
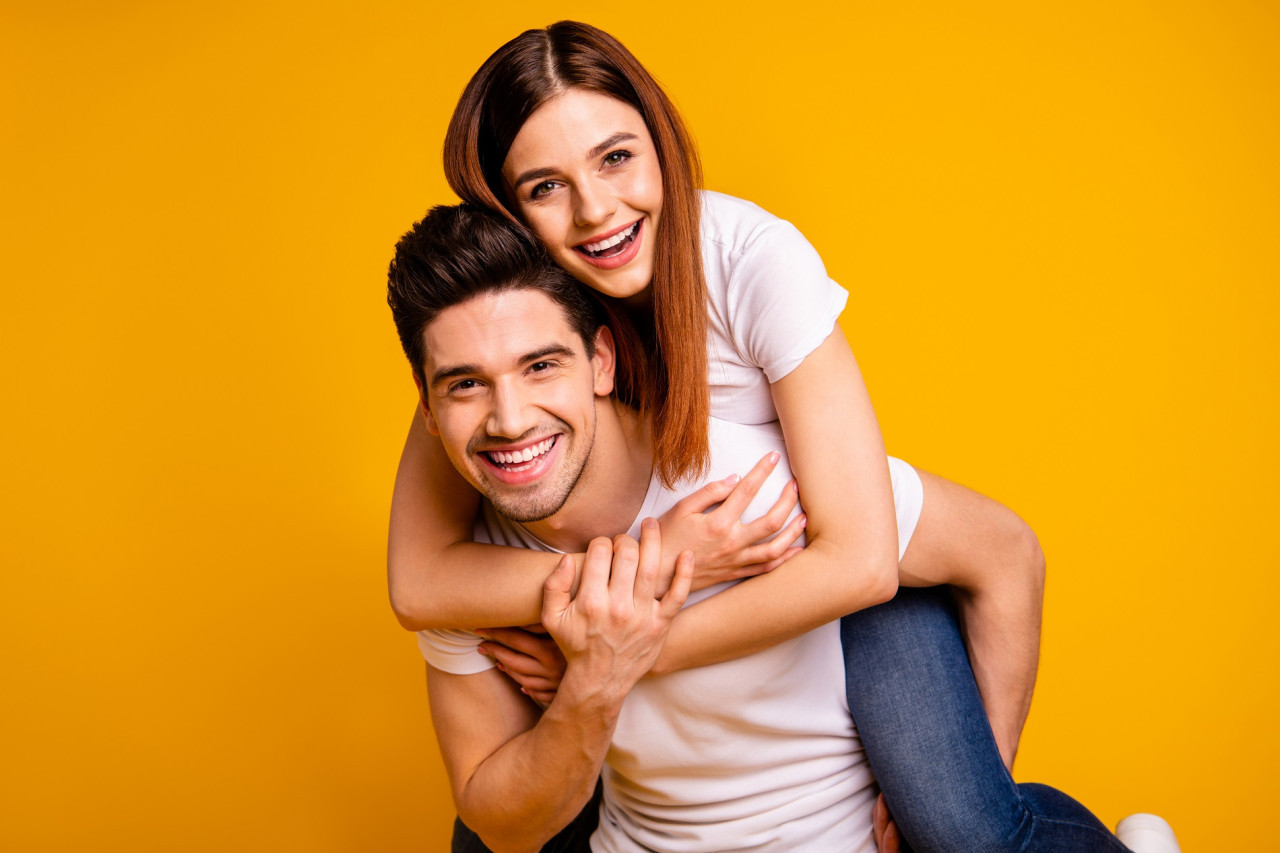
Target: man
515	369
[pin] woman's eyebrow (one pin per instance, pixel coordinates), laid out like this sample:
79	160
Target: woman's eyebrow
620	136
538	174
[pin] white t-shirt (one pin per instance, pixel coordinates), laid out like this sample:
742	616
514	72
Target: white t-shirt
769	304
758	753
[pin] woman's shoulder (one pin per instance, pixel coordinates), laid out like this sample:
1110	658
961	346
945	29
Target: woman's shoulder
733	221
735	230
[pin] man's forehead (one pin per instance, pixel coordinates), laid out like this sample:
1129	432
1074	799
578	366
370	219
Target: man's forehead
497	327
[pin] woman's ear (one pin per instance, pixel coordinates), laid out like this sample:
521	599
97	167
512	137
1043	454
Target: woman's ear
604	362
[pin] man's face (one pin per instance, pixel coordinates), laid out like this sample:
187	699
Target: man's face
512	395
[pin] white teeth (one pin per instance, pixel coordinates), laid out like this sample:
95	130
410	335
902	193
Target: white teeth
610	242
514	457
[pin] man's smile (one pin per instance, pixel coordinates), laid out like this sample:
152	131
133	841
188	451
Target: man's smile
521	464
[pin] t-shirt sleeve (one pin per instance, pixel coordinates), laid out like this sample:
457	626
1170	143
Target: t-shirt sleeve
782	305
453	652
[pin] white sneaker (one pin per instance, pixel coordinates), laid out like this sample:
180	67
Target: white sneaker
1147	833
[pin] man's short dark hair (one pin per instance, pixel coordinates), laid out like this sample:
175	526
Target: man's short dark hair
459	252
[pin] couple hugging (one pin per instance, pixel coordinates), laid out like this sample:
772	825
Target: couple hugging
708	332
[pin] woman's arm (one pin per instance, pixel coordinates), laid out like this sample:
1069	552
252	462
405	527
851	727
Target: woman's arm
851	558
439	578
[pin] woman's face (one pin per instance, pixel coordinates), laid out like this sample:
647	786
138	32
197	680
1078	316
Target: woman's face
585	178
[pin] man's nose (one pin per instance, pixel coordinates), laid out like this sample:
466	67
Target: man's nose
594	203
511	415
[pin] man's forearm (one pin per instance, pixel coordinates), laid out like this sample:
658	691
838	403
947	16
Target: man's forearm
1002	633
531	787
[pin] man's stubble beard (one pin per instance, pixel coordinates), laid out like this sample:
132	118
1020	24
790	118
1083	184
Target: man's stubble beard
527	510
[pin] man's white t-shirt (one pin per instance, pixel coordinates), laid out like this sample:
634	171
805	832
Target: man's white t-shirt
758	753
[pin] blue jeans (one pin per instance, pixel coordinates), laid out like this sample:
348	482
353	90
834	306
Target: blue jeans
922	722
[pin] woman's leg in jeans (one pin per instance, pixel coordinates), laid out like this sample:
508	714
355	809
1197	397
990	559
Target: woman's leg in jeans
925	731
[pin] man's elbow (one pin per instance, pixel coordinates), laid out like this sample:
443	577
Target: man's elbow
500	838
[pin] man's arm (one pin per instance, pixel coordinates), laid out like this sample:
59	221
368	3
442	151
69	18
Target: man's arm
519	778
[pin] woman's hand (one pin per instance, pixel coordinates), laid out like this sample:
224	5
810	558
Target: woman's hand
724	548
529	657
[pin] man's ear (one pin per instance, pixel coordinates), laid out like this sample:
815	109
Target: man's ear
422	404
604	362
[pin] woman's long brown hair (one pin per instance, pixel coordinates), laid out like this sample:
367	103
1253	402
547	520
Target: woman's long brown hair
526	72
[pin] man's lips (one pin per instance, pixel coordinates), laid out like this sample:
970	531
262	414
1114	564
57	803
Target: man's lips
515	465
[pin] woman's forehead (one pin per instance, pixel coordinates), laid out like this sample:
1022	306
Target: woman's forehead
571	127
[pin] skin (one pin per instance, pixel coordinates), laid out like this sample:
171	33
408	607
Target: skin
991	556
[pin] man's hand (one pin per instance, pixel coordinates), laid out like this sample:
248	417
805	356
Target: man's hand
886	831
612	631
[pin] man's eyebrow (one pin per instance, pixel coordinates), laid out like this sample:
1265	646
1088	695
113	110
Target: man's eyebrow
450	371
538	174
550	349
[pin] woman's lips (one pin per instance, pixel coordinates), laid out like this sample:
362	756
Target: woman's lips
618	248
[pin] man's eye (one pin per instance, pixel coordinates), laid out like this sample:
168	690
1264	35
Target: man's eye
463	385
540	366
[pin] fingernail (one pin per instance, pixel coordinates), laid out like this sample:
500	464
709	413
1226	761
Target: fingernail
774	457
731	479
500	667
804	519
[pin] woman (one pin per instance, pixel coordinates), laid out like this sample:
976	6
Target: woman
565	132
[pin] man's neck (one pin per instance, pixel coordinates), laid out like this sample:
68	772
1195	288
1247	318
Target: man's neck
615	479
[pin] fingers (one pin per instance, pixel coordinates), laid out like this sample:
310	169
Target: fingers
765	568
773	520
650	560
879	821
888	839
742	495
706	497
596	568
766	552
520	640
626	560
675	597
892	839
555	590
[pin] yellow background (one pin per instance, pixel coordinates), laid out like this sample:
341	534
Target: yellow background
1059	223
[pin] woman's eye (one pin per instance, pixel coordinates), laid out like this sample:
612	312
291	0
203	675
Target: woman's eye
613	158
542	189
